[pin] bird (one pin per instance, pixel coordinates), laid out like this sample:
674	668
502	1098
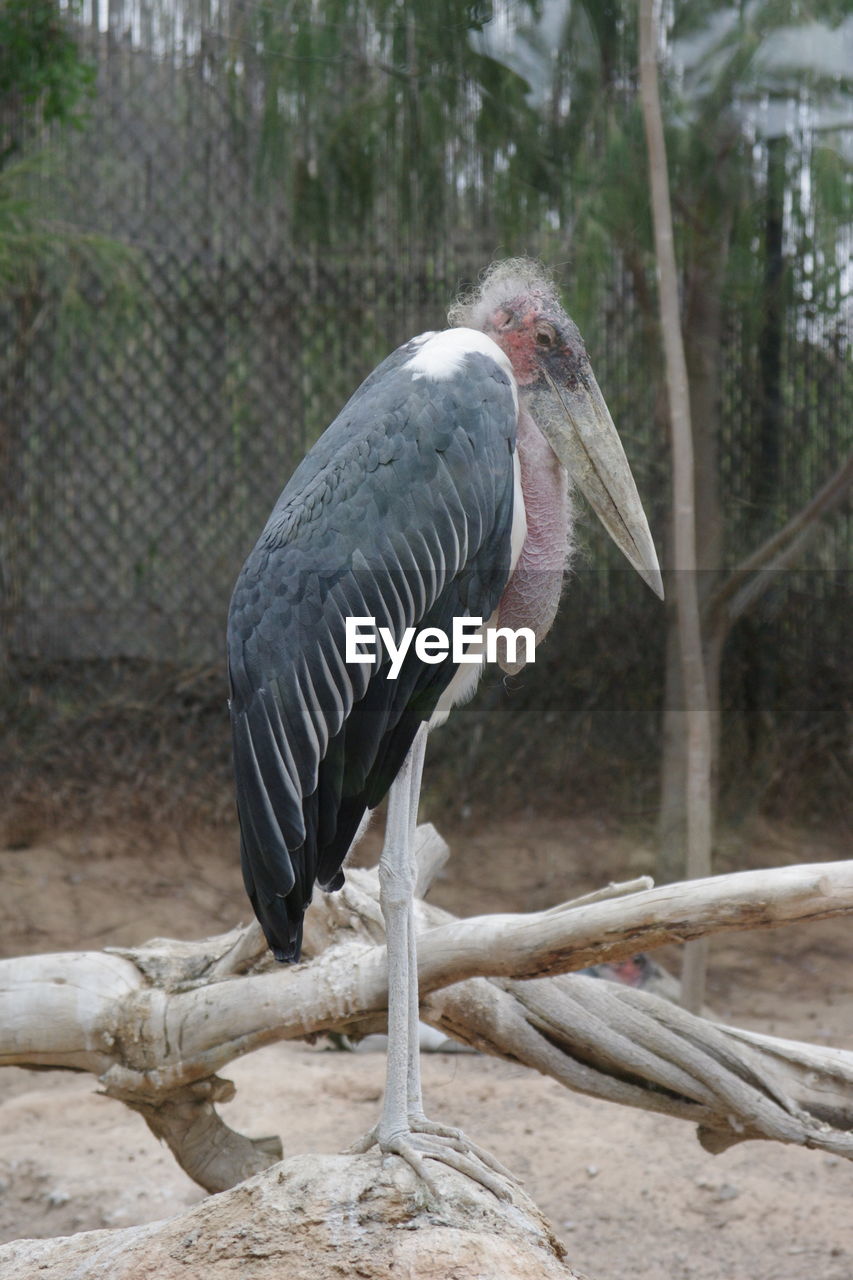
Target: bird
442	491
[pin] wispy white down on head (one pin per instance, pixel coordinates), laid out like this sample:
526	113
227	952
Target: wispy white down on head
444	353
500	283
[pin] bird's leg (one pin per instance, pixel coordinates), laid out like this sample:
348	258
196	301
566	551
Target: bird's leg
403	1128
414	1095
396	891
418	1121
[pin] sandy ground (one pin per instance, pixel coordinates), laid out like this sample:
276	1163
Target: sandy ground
632	1195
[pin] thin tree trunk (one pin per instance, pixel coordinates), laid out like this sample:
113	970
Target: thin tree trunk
698	756
703	342
766	466
672	824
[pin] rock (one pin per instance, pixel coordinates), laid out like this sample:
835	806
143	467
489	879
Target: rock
314	1218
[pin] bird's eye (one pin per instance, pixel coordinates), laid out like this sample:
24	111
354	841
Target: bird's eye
545	337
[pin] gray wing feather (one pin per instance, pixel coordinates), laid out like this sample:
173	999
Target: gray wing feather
401	512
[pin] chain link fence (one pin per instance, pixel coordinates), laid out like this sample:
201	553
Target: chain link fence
153	410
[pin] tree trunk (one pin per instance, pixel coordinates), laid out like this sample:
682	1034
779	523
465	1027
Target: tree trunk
672	818
672	822
766	466
698	753
703	337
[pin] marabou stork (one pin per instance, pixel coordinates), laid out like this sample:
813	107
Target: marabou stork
440	491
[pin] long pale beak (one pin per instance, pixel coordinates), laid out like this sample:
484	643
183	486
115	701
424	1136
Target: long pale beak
586	442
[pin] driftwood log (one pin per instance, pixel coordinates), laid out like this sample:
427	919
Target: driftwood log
157	1023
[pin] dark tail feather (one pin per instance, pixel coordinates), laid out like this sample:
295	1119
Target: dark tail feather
279	916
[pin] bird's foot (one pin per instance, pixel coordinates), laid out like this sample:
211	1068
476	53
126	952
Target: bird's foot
424	1140
459	1141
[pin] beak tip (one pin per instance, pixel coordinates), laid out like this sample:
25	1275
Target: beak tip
651	575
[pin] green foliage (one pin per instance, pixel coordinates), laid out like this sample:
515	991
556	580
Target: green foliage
518	127
522	120
43	81
374	107
43	78
85	273
515	127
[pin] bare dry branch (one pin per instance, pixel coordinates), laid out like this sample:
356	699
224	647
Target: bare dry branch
156	1025
778	550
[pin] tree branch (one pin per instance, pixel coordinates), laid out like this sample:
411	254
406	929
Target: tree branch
778	551
156	1025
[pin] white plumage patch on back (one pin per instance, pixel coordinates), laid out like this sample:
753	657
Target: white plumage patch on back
443	354
419	341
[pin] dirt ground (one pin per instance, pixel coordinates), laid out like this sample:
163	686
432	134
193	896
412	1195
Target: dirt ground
631	1194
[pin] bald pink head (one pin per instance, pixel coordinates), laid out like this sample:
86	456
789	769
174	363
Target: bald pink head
516	304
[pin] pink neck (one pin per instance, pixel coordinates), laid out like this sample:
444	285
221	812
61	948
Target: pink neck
532	594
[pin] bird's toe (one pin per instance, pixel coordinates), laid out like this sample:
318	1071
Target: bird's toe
460	1142
454	1151
365	1142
